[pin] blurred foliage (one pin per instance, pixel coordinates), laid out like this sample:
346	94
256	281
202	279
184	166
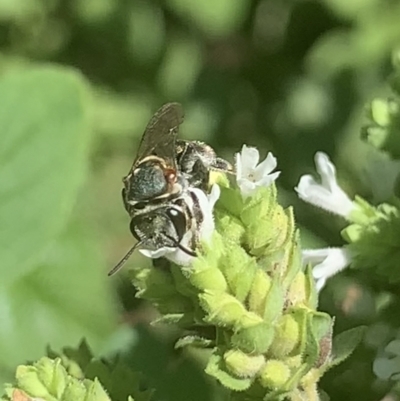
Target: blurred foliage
290	76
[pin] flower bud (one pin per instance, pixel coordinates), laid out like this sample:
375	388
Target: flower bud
45	377
221	309
243	365
211	279
294	258
310	378
287	335
274	374
274	301
255	339
239	269
75	391
380	112
259	206
297	290
382	131
259	290
231	227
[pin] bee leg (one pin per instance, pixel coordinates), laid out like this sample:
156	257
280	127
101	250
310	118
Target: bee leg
209	158
200	175
222	166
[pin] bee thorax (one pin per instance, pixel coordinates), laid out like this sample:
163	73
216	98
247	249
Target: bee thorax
146	182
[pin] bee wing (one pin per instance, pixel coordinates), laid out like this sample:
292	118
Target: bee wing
160	134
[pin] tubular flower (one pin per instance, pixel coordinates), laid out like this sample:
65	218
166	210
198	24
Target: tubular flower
326	262
327	195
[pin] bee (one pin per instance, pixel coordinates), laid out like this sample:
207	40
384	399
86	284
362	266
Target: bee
165	190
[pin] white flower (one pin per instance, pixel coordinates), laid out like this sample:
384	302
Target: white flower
328	195
202	232
249	175
207	204
327	262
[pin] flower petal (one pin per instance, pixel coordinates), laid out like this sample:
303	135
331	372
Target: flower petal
246	160
213	196
206	204
312	192
327	262
238	165
266	166
158	253
326	169
336	202
320	283
314	256
180	257
247	187
268	180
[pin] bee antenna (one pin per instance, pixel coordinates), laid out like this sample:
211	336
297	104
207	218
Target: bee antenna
121	263
181	247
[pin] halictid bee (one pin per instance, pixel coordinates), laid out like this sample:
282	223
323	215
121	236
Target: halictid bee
166	186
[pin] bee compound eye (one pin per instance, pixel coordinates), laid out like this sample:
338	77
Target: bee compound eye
178	220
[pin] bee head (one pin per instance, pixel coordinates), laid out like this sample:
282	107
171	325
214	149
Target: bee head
164	226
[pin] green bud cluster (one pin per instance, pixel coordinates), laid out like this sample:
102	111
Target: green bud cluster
374	232
258	303
74	375
373	238
383	129
48	380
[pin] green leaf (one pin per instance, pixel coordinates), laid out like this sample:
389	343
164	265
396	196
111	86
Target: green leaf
61	301
321	324
43	159
345	343
311	290
311	349
174	377
309	345
74	360
178	319
274	301
194	341
119	380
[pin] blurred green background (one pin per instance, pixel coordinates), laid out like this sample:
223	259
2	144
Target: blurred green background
80	80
